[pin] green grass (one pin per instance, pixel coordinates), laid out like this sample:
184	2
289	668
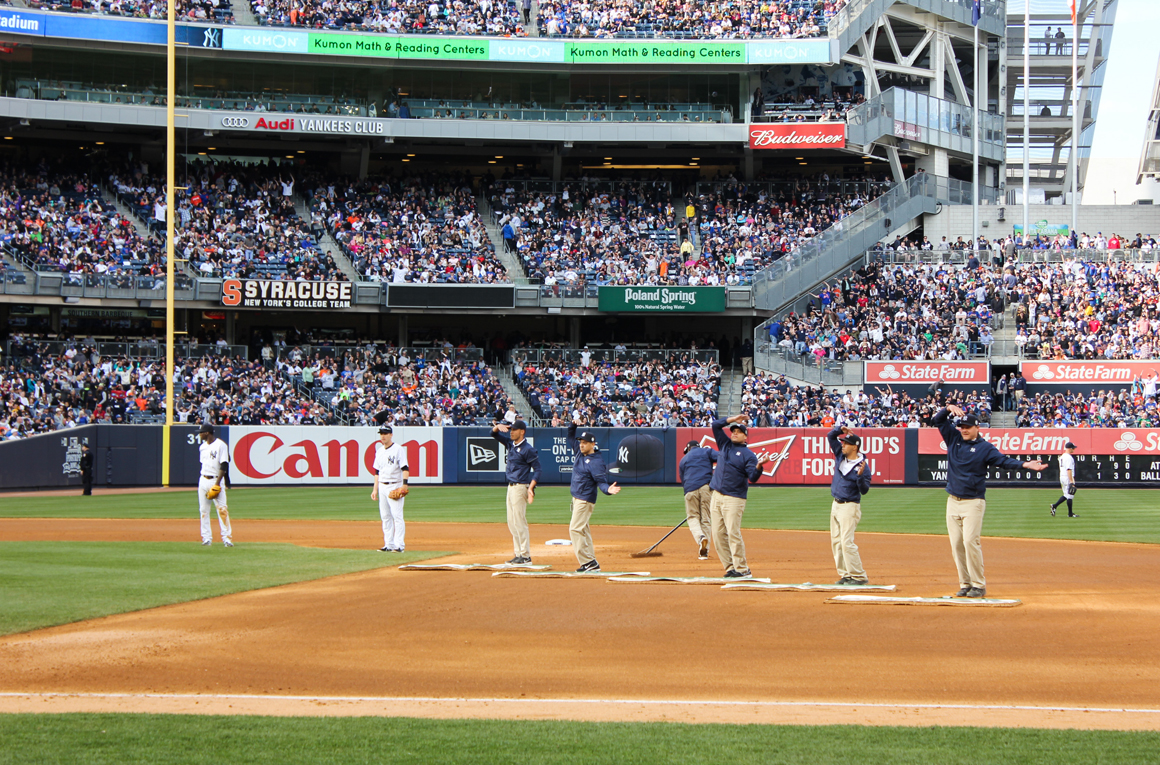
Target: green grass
1114	515
86	739
48	583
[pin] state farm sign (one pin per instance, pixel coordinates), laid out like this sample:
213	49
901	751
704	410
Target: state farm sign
314	454
1087	372
880	373
798	135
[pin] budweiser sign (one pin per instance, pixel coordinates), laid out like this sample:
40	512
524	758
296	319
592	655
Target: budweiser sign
901	372
1087	372
798	135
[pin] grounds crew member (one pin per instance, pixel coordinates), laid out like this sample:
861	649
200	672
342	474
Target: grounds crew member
390	490
589	473
851	482
87	470
696	471
215	460
523	473
968	458
1066	480
737	467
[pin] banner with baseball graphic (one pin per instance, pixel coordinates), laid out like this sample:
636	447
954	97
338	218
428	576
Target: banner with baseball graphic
1087	376
803	456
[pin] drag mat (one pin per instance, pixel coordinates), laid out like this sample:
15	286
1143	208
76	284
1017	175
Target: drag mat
573	574
472	567
807	587
883	600
717	580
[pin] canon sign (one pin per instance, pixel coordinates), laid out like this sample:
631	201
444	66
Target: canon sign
289	455
798	135
888	372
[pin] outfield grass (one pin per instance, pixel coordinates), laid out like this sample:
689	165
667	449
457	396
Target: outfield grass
1115	515
48	583
86	739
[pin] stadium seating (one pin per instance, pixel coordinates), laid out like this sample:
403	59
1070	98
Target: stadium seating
218	11
493	18
1133	407
686	20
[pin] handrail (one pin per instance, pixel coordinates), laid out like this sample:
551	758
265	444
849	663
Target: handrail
918	117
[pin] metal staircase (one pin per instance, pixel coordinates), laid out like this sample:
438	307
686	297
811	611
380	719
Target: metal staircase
859	16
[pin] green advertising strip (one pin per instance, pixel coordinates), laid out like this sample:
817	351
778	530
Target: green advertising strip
640	299
653	52
397	47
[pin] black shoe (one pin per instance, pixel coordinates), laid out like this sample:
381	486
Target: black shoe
386	549
1072	515
977	592
524	561
843	580
731	574
591	565
858	581
1053	511
745	574
963	592
516	561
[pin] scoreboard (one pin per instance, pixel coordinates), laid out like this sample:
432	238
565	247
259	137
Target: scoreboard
1103	457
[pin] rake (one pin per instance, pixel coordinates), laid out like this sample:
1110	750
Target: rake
649	552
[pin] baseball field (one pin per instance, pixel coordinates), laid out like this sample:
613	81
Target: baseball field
123	639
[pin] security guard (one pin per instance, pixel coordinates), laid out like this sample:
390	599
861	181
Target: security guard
589	473
737	467
523	473
851	482
87	470
696	471
968	458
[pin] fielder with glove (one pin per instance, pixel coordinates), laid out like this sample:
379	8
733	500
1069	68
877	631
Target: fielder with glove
390	489
1066	480
215	459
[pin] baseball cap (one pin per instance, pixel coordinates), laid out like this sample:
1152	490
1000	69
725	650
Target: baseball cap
206	428
739	426
519	425
850	438
1069	445
967	421
585	436
638	455
690	445
385	428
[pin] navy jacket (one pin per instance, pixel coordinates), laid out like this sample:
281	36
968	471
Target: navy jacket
523	461
736	465
697	468
851	486
589	472
967	462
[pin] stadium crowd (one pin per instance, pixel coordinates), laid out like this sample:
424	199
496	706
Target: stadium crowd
493	18
685	19
184	10
675	393
1133	407
420	228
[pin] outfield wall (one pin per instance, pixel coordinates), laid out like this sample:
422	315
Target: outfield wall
130	455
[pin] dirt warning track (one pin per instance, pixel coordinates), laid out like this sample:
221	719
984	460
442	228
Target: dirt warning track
465	644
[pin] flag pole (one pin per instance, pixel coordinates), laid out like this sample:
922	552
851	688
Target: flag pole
1026	119
975	152
1074	120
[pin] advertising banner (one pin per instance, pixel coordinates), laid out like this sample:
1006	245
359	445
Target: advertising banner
662	299
803	456
265	40
262	293
528	50
280	454
1043	228
907	130
912	375
798	135
1103	457
450	296
303	124
655	52
1085	375
789	52
21	22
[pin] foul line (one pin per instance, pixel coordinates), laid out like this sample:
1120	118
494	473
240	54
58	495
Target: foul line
643	702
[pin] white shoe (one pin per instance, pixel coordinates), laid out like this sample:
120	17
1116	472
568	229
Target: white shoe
228	543
206	543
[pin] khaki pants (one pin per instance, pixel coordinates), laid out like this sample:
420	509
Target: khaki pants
697	511
746	365
517	519
844	517
726	515
579	532
965	526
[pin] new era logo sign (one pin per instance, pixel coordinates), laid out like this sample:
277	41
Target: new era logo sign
483	455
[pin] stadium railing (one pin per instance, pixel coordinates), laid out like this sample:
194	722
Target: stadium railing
858	16
634	355
132	350
925	119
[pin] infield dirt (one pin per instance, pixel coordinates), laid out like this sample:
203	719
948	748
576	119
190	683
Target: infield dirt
471	645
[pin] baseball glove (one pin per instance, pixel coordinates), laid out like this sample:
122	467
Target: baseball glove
212	492
1071	488
399	493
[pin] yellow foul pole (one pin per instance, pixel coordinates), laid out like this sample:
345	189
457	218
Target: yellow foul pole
170	150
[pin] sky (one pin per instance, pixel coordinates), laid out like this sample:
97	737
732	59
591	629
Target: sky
1123	116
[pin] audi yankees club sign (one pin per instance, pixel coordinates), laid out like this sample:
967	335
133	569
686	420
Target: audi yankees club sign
334	455
309	124
798	135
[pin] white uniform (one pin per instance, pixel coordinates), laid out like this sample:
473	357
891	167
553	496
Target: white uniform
1066	463
390	464
212	455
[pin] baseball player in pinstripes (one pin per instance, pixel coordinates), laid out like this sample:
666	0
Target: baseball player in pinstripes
1066	480
215	457
390	489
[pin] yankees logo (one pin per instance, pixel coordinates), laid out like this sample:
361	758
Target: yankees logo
212	38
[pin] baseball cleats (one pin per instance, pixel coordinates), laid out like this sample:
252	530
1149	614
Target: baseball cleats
977	592
206	543
1052	510
963	592
387	549
704	553
1072	515
519	560
845	580
228	543
591	565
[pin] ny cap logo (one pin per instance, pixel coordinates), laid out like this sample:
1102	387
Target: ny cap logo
211	39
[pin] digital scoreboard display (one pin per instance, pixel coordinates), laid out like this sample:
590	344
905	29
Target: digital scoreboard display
1103	457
